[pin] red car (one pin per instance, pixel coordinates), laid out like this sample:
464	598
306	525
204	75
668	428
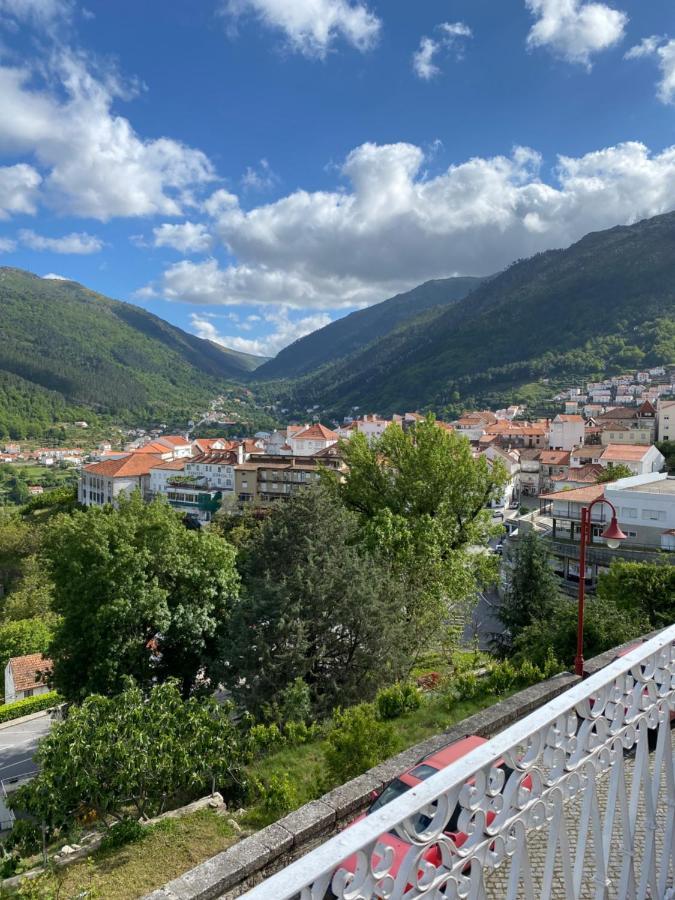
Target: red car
424	769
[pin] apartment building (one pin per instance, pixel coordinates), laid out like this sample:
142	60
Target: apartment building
265	479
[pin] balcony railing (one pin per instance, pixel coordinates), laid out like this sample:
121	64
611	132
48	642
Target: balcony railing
575	800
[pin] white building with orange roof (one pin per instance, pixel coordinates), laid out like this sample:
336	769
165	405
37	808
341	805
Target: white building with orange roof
567	432
639	459
102	483
310	440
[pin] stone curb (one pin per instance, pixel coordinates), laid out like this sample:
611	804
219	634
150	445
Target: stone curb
11	723
297	830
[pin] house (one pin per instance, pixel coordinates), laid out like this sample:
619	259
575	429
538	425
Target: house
567	432
666	420
510	459
530	473
215	469
312	439
161	473
35	489
624	431
27	676
103	482
640	460
474	424
552	462
179	446
645	506
586	455
205	445
577	477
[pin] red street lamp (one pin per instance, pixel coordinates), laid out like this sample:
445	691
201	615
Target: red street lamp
613	535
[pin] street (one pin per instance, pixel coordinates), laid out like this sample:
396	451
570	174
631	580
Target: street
17	746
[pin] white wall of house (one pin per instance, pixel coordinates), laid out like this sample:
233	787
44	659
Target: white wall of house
100	490
566	434
217	475
666	426
309	448
12	695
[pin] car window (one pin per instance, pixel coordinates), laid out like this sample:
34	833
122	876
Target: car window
423	771
391	792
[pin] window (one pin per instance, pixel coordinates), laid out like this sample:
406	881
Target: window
654	515
628	512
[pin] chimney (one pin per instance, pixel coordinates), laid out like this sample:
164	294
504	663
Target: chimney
240	452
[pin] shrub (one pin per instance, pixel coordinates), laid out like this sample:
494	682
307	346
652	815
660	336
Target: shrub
28	706
297	733
264	739
25	837
128	831
393	701
528	673
295	702
357	741
551	665
465	686
278	796
502	677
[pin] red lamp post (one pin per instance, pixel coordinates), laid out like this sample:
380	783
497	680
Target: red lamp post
613	535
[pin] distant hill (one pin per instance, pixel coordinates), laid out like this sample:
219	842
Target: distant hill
604	305
63	347
360	328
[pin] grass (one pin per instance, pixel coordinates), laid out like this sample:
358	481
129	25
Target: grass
166	851
305	766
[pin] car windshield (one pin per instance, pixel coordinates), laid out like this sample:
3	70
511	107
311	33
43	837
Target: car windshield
391	792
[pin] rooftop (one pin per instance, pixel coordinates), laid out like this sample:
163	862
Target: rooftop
29	671
130	466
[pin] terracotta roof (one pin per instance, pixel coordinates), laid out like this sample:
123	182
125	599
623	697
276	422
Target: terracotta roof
577	495
568	418
124	467
619	412
205	444
317	432
620	452
173	440
25	671
555	457
647	408
174	465
588	473
215	457
153	447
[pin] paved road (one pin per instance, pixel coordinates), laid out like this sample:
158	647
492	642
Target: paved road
17	746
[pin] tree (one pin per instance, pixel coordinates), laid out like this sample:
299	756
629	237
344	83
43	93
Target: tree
649	587
613	473
31	594
422	500
606	625
314	605
531	594
23	637
129	752
139	595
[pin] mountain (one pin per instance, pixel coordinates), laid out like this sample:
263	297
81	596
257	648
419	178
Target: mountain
360	328
603	305
63	346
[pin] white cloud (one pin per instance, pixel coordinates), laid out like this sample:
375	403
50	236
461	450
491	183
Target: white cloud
18	189
187	237
396	226
285	330
575	29
7	245
311	27
40	13
52	276
77	242
663	49
95	164
451	35
261	178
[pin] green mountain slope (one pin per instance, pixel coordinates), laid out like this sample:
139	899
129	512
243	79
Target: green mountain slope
360	328
63	346
605	304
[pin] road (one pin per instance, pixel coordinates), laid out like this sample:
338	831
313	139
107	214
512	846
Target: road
17	746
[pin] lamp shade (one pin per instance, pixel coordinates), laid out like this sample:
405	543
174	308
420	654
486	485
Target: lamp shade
613	534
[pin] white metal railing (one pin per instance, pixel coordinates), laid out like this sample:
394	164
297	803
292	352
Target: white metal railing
588	809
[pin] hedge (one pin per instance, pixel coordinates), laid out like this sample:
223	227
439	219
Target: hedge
28	706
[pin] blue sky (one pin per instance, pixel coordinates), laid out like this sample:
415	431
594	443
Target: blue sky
252	169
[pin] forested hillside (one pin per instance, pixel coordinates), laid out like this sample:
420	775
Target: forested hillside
65	349
605	304
357	330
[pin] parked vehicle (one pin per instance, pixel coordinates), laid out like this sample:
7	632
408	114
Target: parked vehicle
424	769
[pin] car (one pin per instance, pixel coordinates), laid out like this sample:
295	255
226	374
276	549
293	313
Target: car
514	504
499	549
422	770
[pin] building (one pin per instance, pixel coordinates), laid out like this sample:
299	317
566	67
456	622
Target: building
551	463
529	477
312	439
567	432
265	479
103	482
27	676
666	420
639	459
645	506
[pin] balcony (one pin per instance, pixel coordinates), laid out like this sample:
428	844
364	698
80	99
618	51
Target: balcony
576	800
601	554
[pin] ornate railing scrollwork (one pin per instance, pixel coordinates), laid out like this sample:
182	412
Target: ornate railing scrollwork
576	800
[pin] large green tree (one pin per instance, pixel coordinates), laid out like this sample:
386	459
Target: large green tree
138	594
24	636
422	501
315	605
132	754
644	587
531	592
